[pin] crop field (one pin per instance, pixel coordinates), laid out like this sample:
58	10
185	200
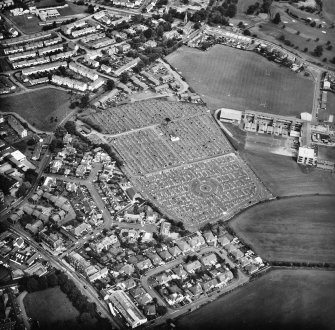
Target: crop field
298	229
279	300
39	106
49	306
284	177
226	77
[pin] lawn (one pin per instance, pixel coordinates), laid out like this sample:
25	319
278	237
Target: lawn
72	9
284	177
227	77
49	306
39	106
281	299
291	229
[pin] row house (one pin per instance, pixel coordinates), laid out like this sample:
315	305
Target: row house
44	68
50	49
33	61
71	83
83	71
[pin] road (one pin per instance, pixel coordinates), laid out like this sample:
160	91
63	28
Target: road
80	282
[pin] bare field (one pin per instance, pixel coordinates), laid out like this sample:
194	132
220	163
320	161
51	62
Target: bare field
283	176
300	229
280	300
226	77
39	106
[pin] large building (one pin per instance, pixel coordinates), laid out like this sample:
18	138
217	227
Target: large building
230	116
127	308
306	156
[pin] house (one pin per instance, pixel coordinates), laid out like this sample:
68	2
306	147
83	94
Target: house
127	284
165	255
196	290
196	242
251	269
230	248
224	278
210	285
144	299
174	251
163	278
145	264
223	240
210	238
165	228
209	260
137	292
150	310
244	261
237	254
183	246
155	258
180	272
191	267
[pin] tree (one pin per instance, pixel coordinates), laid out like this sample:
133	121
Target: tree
110	85
30	176
124	77
43	283
32	285
90	9
318	51
52	280
276	19
70	126
84	101
161	310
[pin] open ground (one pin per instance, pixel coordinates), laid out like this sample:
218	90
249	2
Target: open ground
28	23
49	306
226	77
39	106
284	177
300	229
281	299
331	103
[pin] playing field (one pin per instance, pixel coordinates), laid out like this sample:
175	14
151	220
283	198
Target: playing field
27	23
39	106
49	306
283	176
281	299
292	229
226	77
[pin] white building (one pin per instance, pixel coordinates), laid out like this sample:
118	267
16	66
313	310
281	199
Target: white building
71	83
306	156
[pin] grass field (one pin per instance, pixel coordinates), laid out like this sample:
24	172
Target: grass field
39	106
283	177
329	9
281	299
49	306
226	77
291	229
27	26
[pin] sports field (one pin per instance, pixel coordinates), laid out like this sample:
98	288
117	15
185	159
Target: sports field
39	106
226	77
49	306
280	300
291	229
27	25
283	176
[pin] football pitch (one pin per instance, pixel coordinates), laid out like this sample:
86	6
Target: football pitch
227	77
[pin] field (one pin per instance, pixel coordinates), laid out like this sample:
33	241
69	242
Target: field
39	106
280	300
284	177
26	25
331	103
226	77
298	229
329	9
49	306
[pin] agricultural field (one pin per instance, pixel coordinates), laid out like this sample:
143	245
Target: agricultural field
300	229
226	77
279	300
284	177
39	106
48	306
